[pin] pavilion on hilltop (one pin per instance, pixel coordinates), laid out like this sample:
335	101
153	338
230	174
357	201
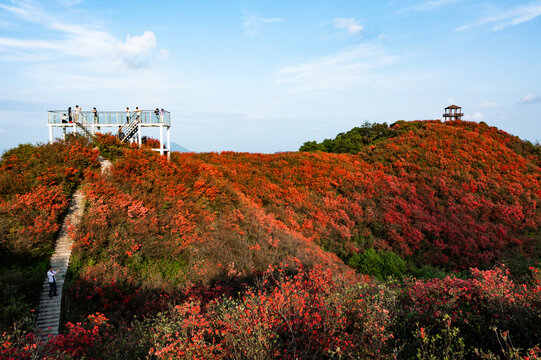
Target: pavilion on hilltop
453	112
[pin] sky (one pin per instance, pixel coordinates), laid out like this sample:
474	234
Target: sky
266	76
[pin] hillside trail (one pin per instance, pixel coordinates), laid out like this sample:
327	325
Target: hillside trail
48	321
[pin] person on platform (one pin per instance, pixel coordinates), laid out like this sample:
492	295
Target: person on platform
95	115
77	110
157	113
64	118
69	115
162	113
51	275
138	113
127	115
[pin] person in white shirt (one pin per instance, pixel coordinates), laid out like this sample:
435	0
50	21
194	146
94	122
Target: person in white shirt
52	281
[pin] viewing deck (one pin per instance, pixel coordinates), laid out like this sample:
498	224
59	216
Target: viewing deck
127	126
108	118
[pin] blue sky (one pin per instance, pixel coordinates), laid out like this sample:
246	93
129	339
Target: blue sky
266	76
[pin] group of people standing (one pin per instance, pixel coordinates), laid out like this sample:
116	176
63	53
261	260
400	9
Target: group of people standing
77	114
137	114
159	114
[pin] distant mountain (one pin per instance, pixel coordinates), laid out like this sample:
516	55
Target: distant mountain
179	148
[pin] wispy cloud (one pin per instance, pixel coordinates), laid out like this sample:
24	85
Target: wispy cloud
427	6
2	130
530	99
78	40
487	104
350	24
502	18
346	68
476	116
252	23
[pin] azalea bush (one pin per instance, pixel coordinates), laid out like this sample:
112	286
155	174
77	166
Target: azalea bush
403	204
309	314
487	300
239	255
36	183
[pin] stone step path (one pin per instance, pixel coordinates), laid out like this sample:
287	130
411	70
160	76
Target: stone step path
50	308
105	165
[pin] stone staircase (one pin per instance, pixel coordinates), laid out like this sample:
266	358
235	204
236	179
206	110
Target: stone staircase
50	308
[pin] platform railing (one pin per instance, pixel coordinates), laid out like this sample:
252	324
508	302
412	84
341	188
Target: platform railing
87	118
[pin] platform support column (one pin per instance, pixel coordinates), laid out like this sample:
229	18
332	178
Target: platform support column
50	134
161	139
139	134
168	143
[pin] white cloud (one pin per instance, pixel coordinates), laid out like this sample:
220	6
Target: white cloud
487	104
2	130
427	6
476	116
530	99
348	67
137	45
351	25
252	23
163	55
135	52
450	101
503	18
28	44
78	40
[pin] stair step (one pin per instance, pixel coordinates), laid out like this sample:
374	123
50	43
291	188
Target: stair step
48	319
51	328
53	314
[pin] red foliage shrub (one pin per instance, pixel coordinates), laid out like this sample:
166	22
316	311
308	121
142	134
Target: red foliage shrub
310	314
490	299
81	340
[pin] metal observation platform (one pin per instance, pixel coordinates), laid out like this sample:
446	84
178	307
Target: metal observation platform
127	126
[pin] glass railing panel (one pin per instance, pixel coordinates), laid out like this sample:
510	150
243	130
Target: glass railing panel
108	117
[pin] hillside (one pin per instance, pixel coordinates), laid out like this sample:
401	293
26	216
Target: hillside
235	243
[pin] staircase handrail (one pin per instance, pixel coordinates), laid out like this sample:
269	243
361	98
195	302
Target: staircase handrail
126	131
85	130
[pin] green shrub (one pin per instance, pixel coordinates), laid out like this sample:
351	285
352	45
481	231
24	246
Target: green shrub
378	263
